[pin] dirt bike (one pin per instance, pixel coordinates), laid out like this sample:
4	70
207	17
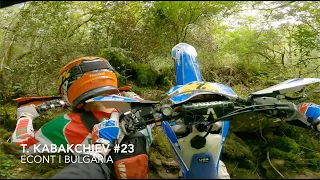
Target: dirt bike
205	109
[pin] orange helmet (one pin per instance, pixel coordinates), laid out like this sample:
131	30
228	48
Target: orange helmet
85	78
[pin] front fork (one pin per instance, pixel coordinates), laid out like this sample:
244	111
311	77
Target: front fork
176	149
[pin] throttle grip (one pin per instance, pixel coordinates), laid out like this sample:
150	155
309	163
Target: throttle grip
289	108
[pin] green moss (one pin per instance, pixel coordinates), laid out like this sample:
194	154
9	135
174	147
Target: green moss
7	136
249	164
236	148
7	117
312	155
287	144
2	132
160	142
7	148
277	153
242	173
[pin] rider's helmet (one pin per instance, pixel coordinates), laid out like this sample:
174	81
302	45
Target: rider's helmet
85	78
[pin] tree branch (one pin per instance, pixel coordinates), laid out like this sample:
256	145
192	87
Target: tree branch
79	25
270	48
273	166
281	6
265	56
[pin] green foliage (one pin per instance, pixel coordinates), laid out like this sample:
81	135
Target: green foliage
289	145
146	76
5	165
120	60
277	153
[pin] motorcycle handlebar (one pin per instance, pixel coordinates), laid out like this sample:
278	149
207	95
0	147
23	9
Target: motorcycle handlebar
193	113
51	105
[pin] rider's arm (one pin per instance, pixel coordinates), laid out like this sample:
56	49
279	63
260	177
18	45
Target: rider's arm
104	133
24	133
25	139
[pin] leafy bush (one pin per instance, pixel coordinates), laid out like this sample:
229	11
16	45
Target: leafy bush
121	61
166	77
146	76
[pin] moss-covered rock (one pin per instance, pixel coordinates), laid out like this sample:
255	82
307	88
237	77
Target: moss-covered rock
161	160
276	163
288	145
248	164
277	153
237	172
161	143
236	148
251	123
7	136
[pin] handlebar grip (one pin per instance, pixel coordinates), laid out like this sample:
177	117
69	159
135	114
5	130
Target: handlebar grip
289	108
50	105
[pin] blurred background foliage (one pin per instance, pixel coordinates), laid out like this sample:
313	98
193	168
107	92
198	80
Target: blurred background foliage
252	44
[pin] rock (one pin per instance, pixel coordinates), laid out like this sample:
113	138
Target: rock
154	160
270	171
170	163
236	148
165	174
277	163
160	156
161	143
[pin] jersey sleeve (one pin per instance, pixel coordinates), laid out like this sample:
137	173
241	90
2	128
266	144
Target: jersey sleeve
24	138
